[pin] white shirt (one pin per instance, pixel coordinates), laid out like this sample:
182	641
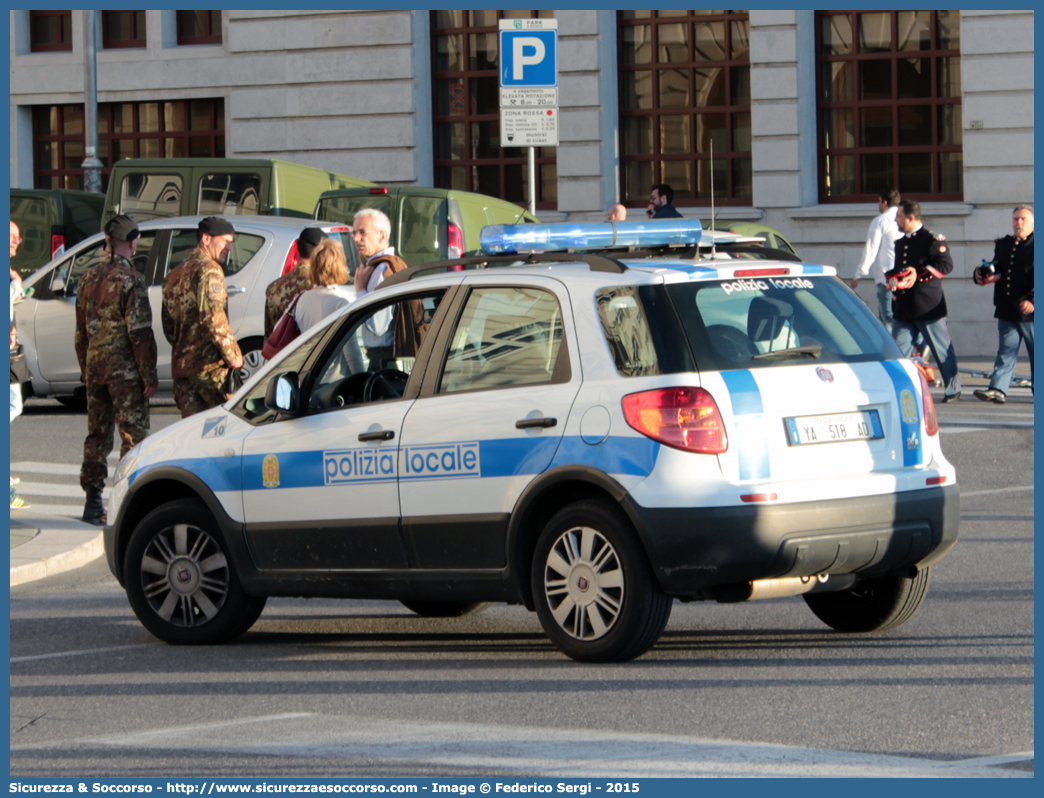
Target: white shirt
377	330
879	252
317	303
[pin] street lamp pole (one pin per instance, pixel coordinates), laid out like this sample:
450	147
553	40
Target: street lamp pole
91	165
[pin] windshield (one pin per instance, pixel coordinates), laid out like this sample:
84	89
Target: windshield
766	322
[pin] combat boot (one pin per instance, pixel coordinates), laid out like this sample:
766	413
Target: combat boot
94	509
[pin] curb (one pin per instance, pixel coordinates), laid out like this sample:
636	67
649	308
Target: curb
54	552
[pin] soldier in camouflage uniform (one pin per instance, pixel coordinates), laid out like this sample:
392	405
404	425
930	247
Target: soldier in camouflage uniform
117	353
195	321
281	292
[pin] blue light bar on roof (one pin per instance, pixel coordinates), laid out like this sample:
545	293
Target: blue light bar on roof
503	238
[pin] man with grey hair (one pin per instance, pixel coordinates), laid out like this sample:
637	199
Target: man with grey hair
371	231
1012	278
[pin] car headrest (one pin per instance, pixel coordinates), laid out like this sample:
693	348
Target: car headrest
766	318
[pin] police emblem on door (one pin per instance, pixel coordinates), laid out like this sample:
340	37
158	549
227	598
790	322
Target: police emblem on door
908	406
270	471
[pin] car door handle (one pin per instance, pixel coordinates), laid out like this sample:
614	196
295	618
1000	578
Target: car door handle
233	290
528	423
379	435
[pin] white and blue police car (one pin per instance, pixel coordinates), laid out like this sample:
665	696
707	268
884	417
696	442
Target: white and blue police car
591	420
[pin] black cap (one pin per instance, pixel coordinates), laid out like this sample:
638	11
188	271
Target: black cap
311	235
122	228
216	226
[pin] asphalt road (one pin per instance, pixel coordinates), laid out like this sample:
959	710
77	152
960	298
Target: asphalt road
354	688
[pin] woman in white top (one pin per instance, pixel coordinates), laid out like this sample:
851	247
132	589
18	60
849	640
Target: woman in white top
329	292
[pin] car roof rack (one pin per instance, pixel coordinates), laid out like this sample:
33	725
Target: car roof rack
596	263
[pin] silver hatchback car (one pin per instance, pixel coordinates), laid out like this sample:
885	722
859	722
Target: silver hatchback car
263	250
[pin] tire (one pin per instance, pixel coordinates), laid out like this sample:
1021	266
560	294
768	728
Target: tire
446	609
207	605
592	544
253	360
872	605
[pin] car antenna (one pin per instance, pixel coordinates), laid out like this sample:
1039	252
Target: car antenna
714	249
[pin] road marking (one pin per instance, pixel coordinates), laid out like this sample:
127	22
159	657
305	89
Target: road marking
1000	759
995	490
55	469
547	752
71	653
55	489
978	422
70	510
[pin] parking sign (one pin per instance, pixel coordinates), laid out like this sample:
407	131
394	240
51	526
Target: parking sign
528	53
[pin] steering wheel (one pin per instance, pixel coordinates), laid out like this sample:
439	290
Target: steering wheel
348	391
387	383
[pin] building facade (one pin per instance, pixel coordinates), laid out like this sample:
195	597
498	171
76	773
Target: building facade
809	113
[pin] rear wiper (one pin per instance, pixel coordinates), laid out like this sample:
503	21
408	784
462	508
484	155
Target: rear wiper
793	352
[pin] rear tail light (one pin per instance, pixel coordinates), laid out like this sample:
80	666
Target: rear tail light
684	418
454	245
382	190
931	423
292	259
57	245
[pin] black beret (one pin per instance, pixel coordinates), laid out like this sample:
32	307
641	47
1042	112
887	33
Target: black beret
122	228
216	226
311	235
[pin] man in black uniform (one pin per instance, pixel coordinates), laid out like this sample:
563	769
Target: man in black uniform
1013	297
918	304
660	201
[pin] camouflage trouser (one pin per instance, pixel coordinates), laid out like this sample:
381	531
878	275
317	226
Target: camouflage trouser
195	394
121	404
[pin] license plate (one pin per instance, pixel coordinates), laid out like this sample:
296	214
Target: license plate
861	426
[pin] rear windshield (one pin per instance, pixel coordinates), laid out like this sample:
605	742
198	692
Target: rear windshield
229	195
145	197
343	209
764	322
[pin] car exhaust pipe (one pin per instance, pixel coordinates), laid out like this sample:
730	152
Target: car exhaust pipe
779	588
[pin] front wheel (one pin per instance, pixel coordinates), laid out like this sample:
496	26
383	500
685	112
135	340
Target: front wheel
180	581
872	605
595	592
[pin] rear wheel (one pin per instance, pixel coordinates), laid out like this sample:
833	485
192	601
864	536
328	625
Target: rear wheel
595	592
253	360
872	605
446	609
180	581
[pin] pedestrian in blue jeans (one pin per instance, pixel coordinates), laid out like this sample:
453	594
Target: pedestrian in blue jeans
1012	279
919	305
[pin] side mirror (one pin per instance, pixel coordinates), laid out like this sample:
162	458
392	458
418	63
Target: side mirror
283	394
58	287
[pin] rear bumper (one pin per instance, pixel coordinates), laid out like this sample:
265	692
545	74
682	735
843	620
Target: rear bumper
692	549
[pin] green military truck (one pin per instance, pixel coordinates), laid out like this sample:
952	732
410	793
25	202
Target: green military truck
149	188
428	224
51	221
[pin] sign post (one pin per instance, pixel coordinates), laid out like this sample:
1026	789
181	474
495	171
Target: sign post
529	88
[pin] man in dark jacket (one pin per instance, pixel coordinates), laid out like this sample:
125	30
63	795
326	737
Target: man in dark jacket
661	198
918	303
1013	297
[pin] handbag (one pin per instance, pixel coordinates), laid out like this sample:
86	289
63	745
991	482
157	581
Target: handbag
286	330
19	368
